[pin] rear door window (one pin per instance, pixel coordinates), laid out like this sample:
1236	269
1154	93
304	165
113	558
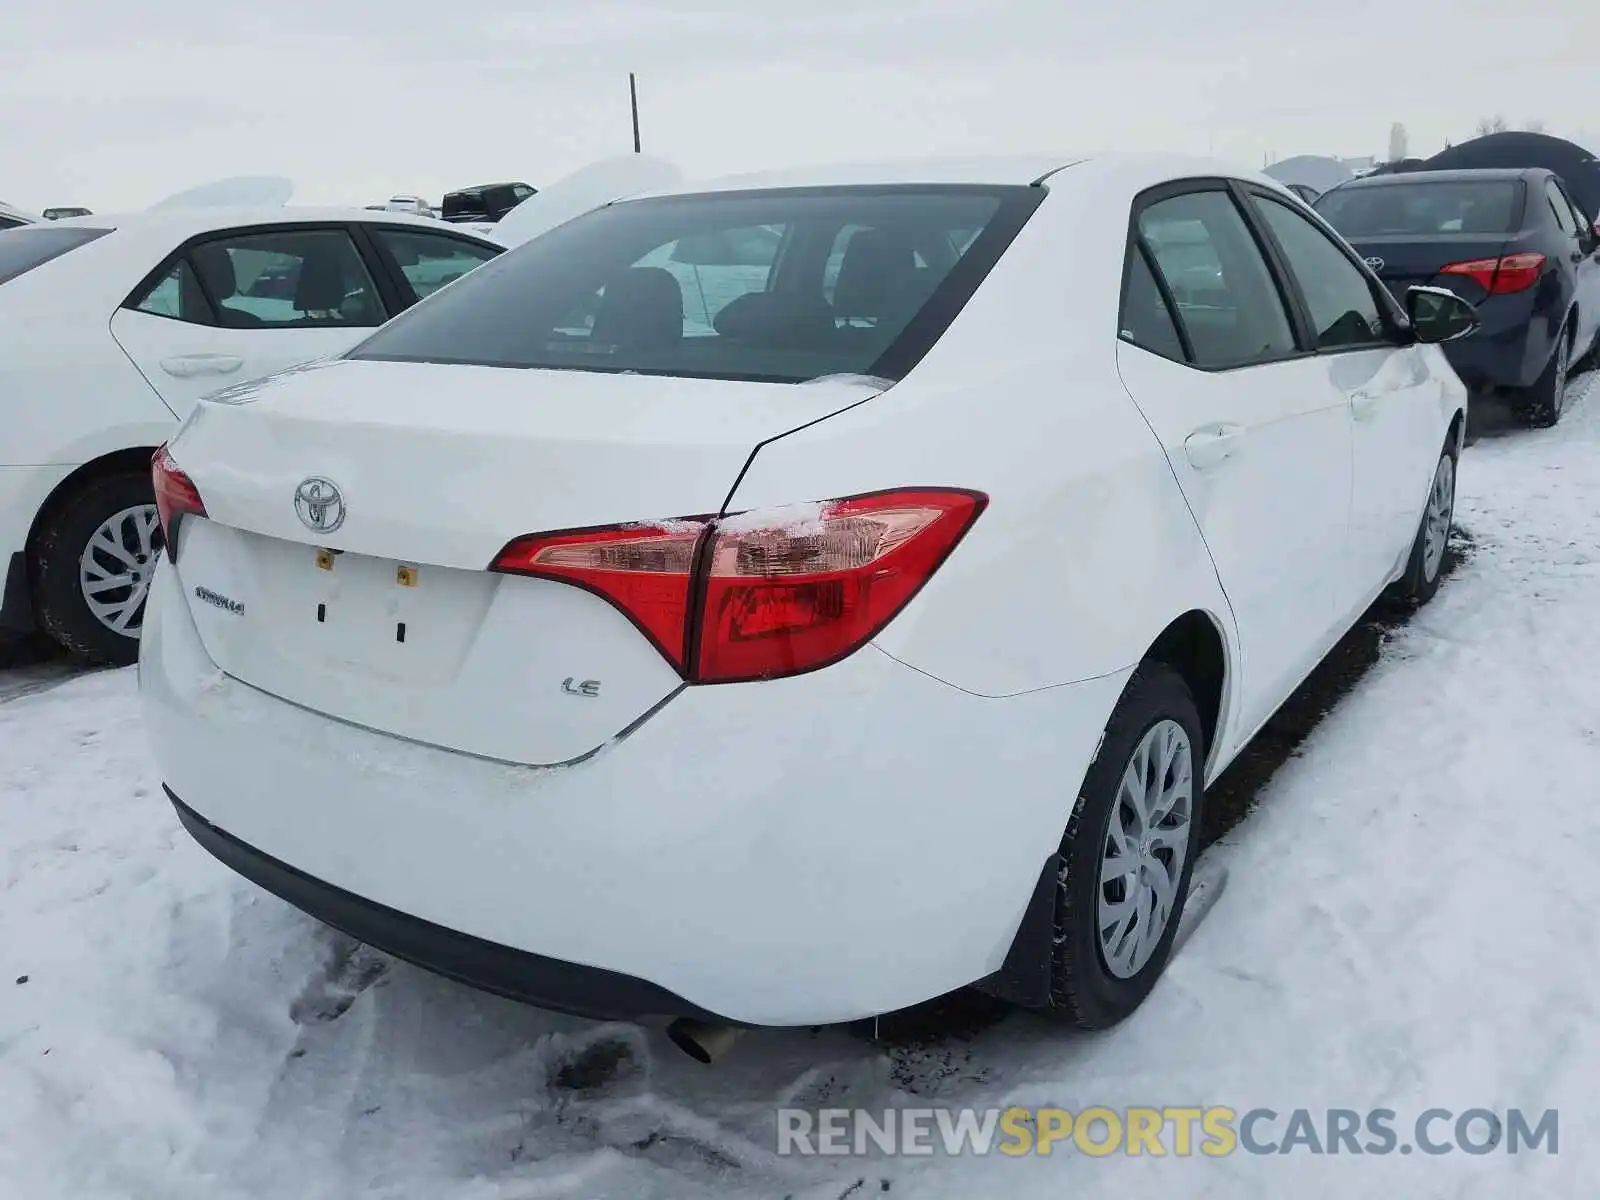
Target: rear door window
1226	299
287	278
427	260
29	246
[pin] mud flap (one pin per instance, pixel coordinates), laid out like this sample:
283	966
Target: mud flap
1024	977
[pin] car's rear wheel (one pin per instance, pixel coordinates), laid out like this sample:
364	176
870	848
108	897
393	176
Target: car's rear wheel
1425	567
1129	852
1542	404
93	557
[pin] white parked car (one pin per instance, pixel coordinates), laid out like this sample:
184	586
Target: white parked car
111	328
11	218
415	205
782	601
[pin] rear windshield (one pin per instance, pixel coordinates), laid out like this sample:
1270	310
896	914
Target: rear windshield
23	249
1420	206
463	204
784	285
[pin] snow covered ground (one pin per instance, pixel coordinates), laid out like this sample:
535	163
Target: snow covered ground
1408	926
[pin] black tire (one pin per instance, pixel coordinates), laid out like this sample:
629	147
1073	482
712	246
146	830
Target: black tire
1541	405
58	550
1424	570
1084	991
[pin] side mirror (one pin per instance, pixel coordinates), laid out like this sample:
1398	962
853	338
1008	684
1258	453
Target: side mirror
1439	315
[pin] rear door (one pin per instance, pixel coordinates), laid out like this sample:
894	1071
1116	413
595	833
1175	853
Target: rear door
421	261
1257	435
1394	397
243	303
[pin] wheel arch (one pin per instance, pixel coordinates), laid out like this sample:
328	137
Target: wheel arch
1194	645
127	460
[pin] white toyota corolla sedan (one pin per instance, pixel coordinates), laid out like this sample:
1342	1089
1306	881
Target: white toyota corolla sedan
789	599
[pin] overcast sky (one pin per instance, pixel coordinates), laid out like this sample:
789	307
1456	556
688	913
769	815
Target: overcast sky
113	105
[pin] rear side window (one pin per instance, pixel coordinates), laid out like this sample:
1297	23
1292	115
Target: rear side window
28	246
1146	320
1421	207
1227	302
783	285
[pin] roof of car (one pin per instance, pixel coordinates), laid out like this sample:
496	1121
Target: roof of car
1131	167
187	222
994	169
1476	174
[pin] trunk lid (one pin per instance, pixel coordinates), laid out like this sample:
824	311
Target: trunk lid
1401	260
386	616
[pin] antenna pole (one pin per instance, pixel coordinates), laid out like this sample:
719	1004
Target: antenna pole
633	99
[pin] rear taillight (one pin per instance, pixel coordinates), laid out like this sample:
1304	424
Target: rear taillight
1501	276
175	495
761	595
644	570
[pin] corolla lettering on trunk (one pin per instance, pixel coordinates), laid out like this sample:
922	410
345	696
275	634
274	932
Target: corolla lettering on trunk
588	687
217	600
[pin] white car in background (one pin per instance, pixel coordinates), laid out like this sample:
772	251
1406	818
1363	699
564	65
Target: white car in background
782	601
415	205
112	327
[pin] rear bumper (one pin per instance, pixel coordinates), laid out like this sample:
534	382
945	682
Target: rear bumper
804	851
546	982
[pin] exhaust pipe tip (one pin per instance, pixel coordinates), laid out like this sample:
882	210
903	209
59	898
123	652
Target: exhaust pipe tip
702	1042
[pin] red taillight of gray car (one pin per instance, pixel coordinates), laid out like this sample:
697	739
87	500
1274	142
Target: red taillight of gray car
766	594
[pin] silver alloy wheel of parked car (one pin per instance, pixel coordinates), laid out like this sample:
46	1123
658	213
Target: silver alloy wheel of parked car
1147	845
115	568
1441	508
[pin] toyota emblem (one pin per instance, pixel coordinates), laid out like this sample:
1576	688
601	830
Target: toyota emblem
1375	263
319	505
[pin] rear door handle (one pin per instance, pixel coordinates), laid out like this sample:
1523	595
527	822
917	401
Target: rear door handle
187	366
1212	445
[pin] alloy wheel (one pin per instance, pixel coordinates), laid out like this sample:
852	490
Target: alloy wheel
116	565
1436	521
1146	847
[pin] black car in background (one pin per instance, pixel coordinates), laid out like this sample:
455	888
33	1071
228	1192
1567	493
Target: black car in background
484	201
1513	243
